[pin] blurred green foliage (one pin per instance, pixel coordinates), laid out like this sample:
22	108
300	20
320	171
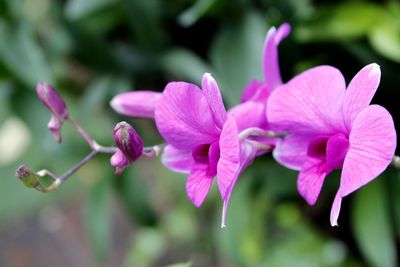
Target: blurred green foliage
92	49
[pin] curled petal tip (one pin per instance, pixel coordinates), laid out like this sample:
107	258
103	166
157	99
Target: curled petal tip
375	70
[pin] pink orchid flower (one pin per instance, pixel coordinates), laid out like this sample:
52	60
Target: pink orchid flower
202	139
332	128
256	93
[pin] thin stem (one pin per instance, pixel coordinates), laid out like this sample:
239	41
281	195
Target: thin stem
104	149
82	132
71	171
58	180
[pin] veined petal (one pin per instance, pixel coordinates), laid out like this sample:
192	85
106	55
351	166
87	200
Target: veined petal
235	156
199	183
229	161
372	145
335	210
249	114
177	160
247	154
360	92
291	151
311	178
309	103
183	117
213	95
139	104
272	75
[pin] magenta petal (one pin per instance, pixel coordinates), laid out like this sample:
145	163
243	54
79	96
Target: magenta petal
213	157
336	150
250	90
234	157
247	154
177	160
360	92
372	146
136	104
214	99
309	103
272	75
255	91
337	202
54	127
291	151
183	117
311	179
244	120
199	183
229	162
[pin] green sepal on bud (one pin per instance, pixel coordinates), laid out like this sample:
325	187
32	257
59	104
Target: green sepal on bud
29	178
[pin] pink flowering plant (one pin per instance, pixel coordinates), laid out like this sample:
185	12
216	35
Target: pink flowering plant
313	124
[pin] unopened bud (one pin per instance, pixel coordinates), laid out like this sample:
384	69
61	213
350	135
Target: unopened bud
29	178
130	146
54	102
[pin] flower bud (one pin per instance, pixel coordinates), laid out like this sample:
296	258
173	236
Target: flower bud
29	178
53	101
130	146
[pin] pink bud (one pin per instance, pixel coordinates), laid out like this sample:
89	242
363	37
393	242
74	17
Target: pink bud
53	101
130	146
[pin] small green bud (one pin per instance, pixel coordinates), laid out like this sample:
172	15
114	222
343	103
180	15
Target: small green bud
29	178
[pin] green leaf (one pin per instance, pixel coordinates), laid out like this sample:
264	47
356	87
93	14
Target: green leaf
195	12
184	65
385	38
237	55
371	225
98	217
343	22
22	55
144	17
78	9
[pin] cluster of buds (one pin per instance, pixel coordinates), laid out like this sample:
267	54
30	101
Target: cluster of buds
129	144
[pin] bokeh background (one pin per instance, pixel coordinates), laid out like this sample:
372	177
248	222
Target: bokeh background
91	50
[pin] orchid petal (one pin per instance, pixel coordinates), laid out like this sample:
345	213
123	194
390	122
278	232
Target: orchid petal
136	104
336	150
213	95
291	151
335	210
272	74
311	178
249	114
177	160
229	162
247	154
310	103
199	183
234	157
360	92
183	117
372	145
255	91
